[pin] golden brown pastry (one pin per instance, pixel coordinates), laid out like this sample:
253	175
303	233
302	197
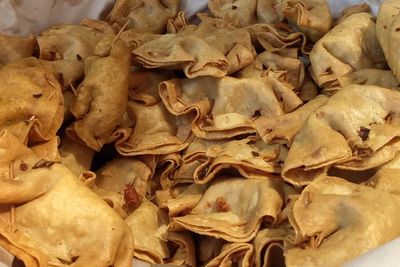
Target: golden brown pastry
268	246
219	49
251	158
106	79
234	253
178	23
350	46
35	231
282	129
148	15
134	38
169	134
122	183
313	17
283	66
222	106
242	13
356	129
75	156
387	27
13	48
333	215
276	37
185	252
31	103
383	78
68	46
233	209
148	224
58	219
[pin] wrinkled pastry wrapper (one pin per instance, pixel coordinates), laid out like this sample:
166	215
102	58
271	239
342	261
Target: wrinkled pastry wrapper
251	158
226	107
96	116
51	199
312	17
351	45
356	129
276	37
13	48
147	224
337	214
113	179
284	66
33	108
147	15
213	48
243	13
156	131
387	31
282	129
234	209
234	253
76	157
67	46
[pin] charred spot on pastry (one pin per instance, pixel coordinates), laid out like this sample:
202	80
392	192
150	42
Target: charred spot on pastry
234	7
222	205
39	95
255	154
43	164
364	133
202	173
256	114
131	198
23	166
78	57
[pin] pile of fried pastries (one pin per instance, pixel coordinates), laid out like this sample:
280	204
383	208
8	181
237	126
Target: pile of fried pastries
260	133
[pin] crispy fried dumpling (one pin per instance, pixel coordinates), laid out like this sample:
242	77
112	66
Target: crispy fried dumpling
106	78
134	38
122	183
241	254
242	13
68	46
178	23
383	78
95	232
234	208
283	66
313	17
282	129
13	47
351	45
31	103
387	29
251	158
143	86
333	215
50	200
213	48
222	106
185	252
75	156
148	224
169	134
269	246
185	200
148	15
356	129
276	37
